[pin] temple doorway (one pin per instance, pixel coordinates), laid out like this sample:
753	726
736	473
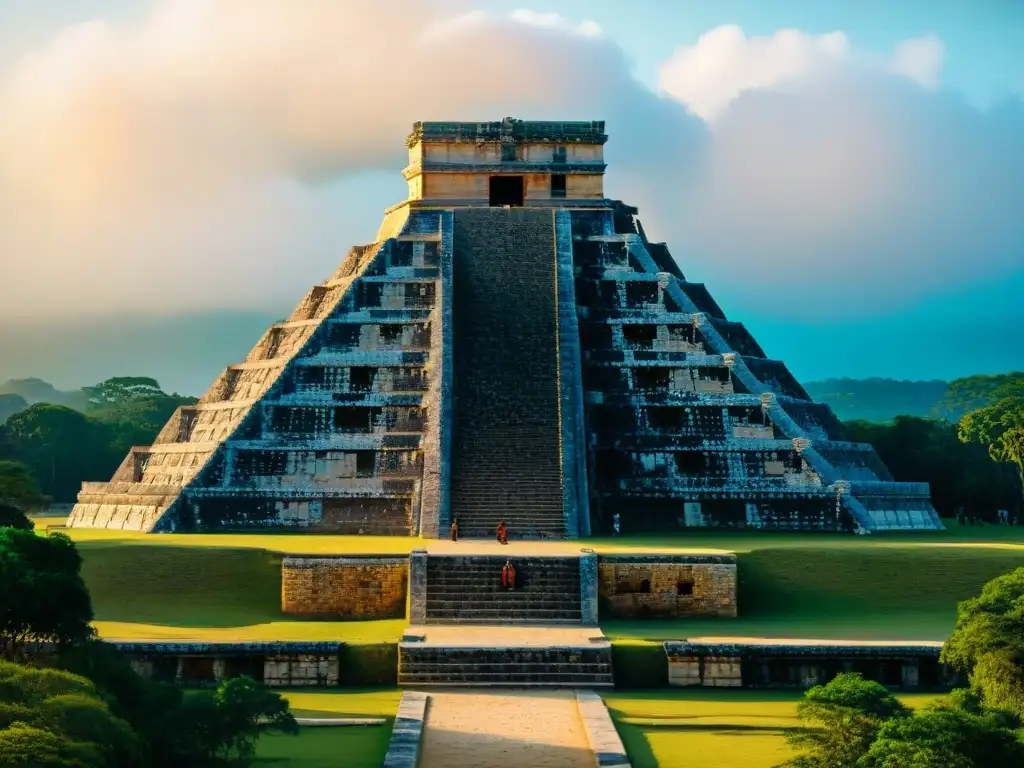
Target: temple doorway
506	190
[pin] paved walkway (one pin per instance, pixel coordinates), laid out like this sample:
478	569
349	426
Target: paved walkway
520	729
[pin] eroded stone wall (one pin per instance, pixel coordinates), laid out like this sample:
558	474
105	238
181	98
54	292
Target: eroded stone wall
641	587
344	587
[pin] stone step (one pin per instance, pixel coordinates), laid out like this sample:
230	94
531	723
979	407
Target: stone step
503	621
550	666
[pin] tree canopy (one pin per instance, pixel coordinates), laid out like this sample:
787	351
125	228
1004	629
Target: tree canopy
44	596
845	716
999	426
988	642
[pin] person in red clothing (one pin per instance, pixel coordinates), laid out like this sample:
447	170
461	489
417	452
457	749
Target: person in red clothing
508	575
502	533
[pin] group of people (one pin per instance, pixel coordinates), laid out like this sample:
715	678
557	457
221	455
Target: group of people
508	571
1003	517
502	531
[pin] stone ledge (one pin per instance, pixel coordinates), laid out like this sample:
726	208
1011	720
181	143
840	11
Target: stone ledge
604	739
796	648
318	561
668	559
128	646
339	722
407	735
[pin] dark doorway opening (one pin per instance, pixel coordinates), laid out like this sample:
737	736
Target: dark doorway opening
506	190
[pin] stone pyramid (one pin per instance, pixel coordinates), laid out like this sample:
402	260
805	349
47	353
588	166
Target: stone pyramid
511	347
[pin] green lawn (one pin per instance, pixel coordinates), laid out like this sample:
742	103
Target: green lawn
227	586
713	729
323	747
202	593
883	587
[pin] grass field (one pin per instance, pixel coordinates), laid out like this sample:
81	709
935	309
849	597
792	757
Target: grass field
328	747
713	729
227	586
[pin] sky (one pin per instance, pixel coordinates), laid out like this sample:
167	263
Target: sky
844	176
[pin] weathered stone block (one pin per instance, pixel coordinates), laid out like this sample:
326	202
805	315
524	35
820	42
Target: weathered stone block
671	586
344	587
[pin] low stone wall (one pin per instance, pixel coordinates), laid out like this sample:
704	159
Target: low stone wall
281	665
344	587
632	586
907	666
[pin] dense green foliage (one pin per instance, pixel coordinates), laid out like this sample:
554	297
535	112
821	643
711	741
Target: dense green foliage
974	392
988	642
846	716
103	715
44	598
49	717
999	426
64	447
929	450
18	494
854	723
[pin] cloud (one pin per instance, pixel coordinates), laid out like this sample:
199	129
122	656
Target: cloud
224	154
725	63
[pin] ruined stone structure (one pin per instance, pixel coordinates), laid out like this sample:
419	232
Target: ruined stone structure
647	586
511	347
795	664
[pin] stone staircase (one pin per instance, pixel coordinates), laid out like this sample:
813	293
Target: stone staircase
509	667
467	590
506	433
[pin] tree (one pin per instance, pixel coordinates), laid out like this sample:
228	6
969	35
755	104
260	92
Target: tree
988	642
974	392
948	735
247	710
845	716
44	596
1000	426
65	714
61	448
135	403
18	493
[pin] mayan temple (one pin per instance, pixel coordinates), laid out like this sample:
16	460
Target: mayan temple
510	347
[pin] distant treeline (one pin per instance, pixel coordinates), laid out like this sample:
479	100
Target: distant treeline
85	436
882	400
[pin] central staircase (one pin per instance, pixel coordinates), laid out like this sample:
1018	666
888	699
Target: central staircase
476	633
506	452
467	590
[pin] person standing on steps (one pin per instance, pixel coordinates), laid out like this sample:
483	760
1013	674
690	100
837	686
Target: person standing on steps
455	530
508	575
502	533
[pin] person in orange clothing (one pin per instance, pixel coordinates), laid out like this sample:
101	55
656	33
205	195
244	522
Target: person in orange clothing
502	533
508	575
455	530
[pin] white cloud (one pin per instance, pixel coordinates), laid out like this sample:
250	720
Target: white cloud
724	62
209	156
587	27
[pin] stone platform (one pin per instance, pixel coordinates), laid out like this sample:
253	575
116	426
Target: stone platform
754	662
505	657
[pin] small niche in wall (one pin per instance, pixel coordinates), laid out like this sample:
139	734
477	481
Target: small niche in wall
645	586
684	588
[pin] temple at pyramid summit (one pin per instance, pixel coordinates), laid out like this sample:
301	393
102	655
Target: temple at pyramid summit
511	347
